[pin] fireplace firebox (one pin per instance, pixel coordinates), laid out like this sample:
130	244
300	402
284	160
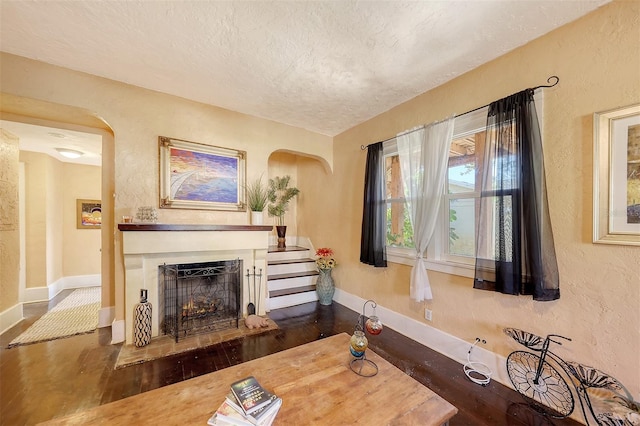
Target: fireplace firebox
199	297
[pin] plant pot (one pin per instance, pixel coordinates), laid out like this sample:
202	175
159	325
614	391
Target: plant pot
256	218
281	230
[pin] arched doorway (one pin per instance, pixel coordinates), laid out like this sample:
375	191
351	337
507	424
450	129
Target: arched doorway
38	113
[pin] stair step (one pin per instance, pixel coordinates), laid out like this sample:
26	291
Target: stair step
291	283
275	277
289	261
296	253
290	266
276	249
291	276
290	291
292	300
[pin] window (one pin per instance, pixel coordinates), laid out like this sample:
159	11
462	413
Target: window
454	238
460	204
462	190
453	246
399	231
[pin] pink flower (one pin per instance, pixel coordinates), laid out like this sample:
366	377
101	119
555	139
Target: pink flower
324	252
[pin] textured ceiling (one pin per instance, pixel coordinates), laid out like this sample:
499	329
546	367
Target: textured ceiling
325	66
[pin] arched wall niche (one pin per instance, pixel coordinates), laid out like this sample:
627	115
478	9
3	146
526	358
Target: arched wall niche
293	163
326	164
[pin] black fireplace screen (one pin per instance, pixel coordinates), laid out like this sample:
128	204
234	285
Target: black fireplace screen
200	297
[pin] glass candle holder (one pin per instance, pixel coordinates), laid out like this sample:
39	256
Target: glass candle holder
358	344
373	325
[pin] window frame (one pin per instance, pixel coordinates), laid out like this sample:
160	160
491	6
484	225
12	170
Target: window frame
390	148
469	125
436	257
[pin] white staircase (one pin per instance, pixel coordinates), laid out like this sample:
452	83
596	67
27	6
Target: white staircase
291	277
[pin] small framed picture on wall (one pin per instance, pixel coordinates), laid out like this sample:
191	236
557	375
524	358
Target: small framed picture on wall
89	214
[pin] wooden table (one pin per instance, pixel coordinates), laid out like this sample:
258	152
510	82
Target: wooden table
314	381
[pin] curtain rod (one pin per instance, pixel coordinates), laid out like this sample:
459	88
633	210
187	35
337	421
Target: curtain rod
542	86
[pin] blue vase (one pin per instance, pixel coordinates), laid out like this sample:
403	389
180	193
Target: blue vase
325	286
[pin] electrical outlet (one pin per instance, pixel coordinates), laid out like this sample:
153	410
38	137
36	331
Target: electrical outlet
427	314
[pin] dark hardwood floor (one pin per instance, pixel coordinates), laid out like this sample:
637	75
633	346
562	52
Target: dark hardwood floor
42	381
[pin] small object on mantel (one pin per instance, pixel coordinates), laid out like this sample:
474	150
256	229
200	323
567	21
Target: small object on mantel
147	214
255	321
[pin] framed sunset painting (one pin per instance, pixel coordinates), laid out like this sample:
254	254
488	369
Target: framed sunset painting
199	176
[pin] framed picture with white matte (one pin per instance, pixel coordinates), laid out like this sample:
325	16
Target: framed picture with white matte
616	176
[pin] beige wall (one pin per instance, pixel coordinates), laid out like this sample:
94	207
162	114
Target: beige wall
598	61
81	247
55	248
137	117
35	218
53	196
9	220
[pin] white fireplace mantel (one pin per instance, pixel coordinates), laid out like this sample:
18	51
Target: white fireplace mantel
147	246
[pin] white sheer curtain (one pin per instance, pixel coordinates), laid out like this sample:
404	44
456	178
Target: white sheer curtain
423	156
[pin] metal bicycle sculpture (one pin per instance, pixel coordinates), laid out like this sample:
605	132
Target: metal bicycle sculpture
547	390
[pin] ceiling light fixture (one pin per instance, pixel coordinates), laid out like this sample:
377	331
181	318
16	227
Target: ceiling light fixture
69	153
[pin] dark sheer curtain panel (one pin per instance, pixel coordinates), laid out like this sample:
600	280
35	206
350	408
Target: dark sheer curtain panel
374	224
515	252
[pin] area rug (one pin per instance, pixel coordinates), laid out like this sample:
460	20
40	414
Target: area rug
75	314
162	346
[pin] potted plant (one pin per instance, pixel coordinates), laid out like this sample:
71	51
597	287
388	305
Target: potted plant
257	196
279	195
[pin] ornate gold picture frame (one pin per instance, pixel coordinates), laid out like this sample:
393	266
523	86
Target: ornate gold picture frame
198	176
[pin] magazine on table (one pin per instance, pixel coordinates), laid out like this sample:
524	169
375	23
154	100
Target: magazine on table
226	414
229	415
263	416
251	395
259	406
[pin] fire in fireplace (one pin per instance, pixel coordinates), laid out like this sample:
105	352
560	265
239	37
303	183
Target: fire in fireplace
200	297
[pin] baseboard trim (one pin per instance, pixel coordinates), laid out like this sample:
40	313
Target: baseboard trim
80	281
36	294
106	316
44	294
117	332
74	281
10	317
444	343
